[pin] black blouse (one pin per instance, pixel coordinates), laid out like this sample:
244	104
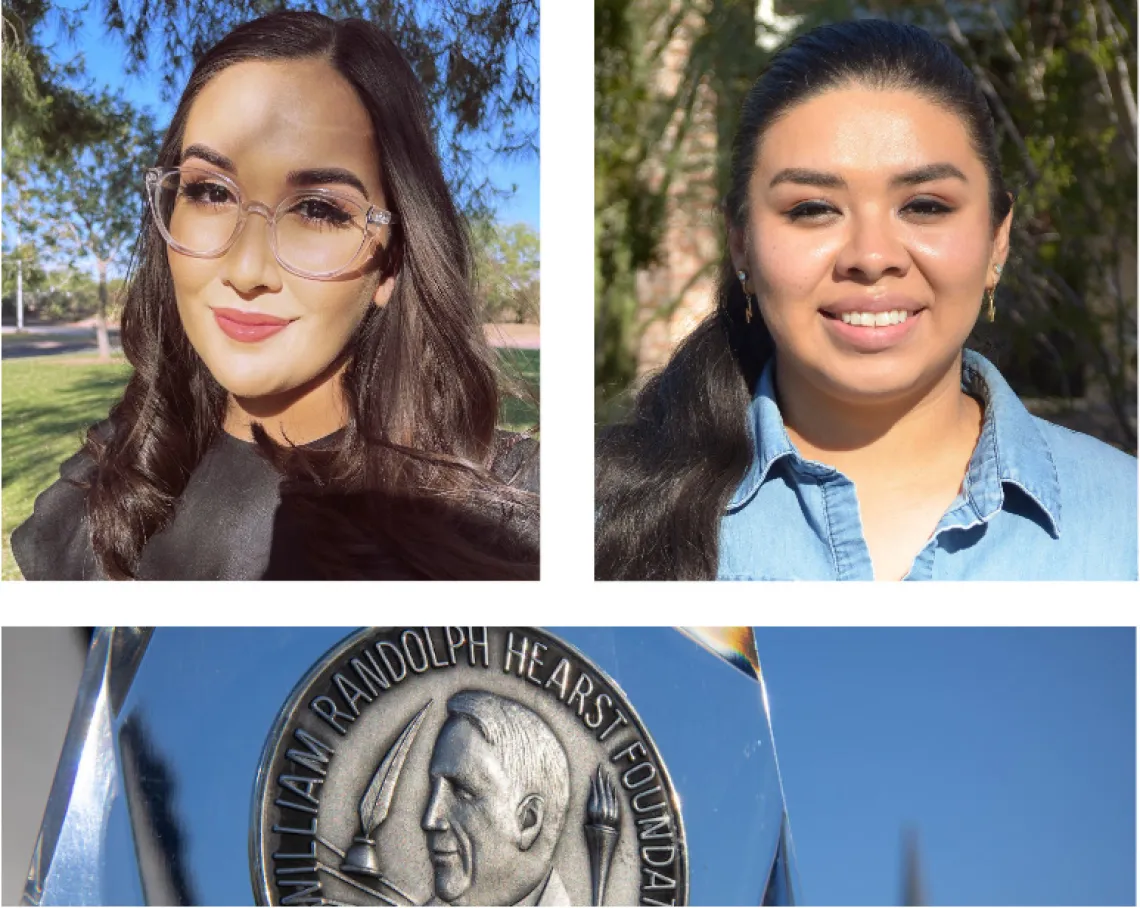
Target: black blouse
229	523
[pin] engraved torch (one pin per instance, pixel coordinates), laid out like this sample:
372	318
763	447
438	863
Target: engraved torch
603	826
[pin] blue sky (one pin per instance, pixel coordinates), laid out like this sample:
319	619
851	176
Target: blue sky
106	55
1012	751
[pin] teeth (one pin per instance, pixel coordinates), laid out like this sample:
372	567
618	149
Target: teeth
875	319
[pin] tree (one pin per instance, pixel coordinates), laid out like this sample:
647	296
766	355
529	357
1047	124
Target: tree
506	258
88	204
59	294
47	108
477	60
36	274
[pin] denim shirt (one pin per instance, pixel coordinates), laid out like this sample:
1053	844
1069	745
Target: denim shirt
1039	502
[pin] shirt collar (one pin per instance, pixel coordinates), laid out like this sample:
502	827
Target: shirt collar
1010	449
765	423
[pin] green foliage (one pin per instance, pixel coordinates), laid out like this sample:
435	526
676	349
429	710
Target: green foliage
86	204
35	275
59	295
628	217
89	202
507	268
477	60
47	110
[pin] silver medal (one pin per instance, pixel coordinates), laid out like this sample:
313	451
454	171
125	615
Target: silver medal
463	766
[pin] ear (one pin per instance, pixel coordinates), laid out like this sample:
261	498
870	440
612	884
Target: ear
389	258
1001	245
384	291
529	816
737	246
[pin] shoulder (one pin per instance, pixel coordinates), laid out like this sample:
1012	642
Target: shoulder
515	460
1097	485
1082	460
54	542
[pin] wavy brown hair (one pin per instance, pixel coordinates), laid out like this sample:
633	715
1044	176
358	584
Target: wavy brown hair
664	478
407	489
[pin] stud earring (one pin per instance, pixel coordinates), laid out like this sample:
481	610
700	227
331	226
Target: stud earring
742	276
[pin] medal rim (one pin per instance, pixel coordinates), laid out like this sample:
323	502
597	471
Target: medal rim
258	870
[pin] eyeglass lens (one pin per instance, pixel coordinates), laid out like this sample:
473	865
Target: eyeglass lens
315	234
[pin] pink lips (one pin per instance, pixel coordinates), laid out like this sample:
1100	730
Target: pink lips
872	339
248	327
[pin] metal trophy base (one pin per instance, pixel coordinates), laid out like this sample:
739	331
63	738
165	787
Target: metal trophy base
417	766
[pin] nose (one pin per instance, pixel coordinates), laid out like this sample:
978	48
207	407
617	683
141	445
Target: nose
433	818
873	248
250	262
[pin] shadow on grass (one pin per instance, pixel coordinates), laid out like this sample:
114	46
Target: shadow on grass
48	406
520	403
71	410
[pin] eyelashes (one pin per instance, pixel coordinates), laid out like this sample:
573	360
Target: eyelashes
920	209
927	207
810	211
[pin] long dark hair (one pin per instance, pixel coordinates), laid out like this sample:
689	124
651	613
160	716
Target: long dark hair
409	480
664	477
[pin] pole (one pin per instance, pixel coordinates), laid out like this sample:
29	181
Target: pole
19	265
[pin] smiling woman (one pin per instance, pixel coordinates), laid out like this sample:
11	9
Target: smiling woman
313	396
826	422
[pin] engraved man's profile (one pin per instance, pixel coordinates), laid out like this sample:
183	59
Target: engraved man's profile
499	791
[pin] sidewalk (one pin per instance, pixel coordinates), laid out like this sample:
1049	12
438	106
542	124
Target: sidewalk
520	337
79	337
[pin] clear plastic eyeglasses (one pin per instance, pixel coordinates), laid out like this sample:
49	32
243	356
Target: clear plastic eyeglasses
315	233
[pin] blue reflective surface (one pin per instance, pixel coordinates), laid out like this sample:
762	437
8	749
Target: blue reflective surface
190	734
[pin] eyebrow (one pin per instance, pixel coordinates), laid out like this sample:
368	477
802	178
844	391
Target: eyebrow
926	174
311	176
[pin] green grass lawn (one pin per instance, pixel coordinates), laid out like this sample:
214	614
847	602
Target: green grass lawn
49	403
520	414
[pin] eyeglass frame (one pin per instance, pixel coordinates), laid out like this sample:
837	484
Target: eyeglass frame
374	217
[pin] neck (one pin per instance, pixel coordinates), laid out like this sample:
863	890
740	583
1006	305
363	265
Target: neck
903	434
299	416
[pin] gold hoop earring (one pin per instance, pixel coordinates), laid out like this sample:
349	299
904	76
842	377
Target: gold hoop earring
742	276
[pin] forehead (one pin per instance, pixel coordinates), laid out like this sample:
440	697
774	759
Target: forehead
461	750
861	130
272	117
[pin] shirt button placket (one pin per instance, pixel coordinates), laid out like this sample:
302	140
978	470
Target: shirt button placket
848	547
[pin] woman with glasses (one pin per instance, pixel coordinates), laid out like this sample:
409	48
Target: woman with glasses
312	394
825	421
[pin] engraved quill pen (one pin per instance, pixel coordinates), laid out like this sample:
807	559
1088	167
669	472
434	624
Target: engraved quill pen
377	800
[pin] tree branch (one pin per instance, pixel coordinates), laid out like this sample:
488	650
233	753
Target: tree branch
990	92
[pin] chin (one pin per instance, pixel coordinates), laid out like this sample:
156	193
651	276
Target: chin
249	379
450	891
878	377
